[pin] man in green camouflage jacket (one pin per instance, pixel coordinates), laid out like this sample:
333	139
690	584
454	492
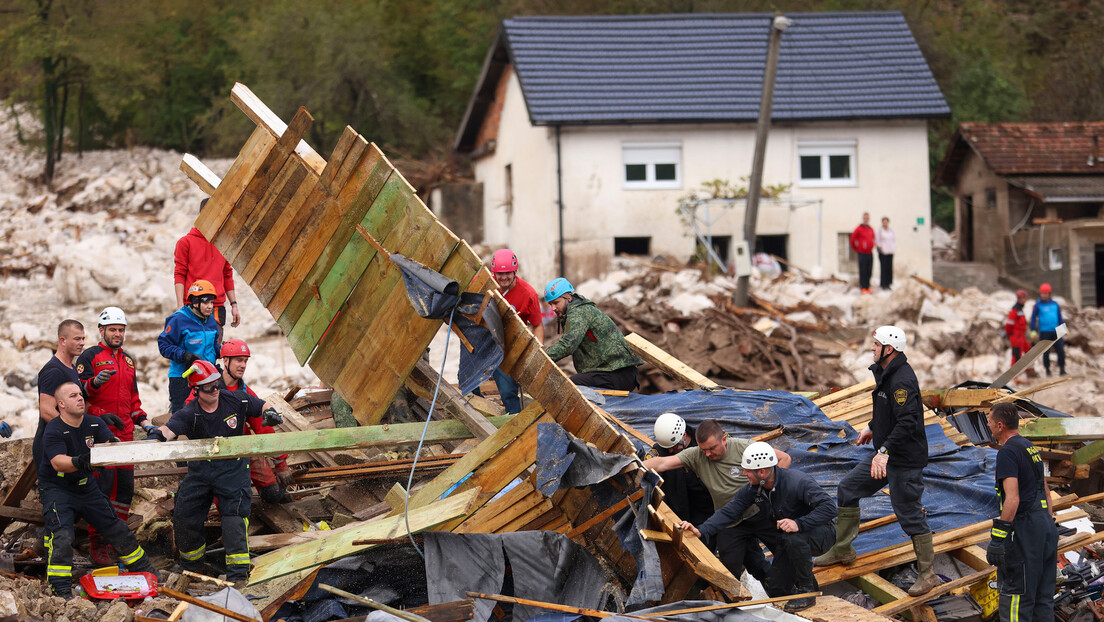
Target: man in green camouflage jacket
597	348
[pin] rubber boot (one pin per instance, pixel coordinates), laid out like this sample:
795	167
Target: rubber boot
847	527
925	558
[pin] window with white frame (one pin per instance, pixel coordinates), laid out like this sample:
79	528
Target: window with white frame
829	163
652	165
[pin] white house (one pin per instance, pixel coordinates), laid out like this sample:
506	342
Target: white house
586	132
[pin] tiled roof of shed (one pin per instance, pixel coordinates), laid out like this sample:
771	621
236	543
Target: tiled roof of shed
702	68
1062	148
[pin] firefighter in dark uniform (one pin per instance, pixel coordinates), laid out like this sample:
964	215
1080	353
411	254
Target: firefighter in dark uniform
109	378
214	413
69	491
897	430
683	491
1023	544
796	523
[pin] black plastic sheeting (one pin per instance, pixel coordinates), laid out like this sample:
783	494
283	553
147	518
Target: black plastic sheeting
435	296
958	481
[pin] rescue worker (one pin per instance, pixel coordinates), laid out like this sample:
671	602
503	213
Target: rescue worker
1023	543
523	298
1015	326
596	346
109	379
59	369
190	335
69	492
683	491
271	477
796	522
716	461
897	430
214	413
1046	317
194	259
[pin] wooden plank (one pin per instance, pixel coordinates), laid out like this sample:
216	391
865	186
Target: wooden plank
960	398
339	544
293	421
860	389
31	516
668	364
271	209
26	482
1063	428
402	434
423	381
198	172
191	600
698	556
908	602
885	592
337	157
298	590
226	195
1090	452
276	238
491	517
256	110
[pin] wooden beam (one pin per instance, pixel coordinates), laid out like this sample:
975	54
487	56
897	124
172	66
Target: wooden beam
198	172
1029	357
1088	453
401	434
835	609
398	613
423	381
745	603
295	422
909	602
862	388
339	544
1063	428
959	398
31	516
295	592
191	600
885	592
668	364
697	555
260	114
583	611
19	490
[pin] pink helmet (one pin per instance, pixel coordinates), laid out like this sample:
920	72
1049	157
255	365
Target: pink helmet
504	260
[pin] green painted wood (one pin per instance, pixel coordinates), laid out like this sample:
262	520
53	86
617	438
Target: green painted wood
400	434
1063	428
339	544
1088	453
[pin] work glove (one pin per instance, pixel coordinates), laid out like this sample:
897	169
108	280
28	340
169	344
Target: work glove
113	439
5	429
283	474
189	358
102	377
998	536
82	462
112	420
271	417
155	433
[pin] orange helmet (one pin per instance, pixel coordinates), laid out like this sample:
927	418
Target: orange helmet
201	288
201	373
234	347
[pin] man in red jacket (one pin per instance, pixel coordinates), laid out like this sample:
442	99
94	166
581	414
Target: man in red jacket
862	242
108	376
196	258
1015	326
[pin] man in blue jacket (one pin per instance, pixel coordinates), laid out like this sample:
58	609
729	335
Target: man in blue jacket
1045	318
190	335
794	521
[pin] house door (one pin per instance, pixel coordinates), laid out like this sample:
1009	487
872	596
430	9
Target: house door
1100	275
773	245
966	229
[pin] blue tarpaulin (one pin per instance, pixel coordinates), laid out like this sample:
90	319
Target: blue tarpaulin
958	481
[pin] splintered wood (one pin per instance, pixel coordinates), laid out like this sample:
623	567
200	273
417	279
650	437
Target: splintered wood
312	237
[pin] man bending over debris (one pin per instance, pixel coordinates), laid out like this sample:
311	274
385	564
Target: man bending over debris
214	413
596	346
1024	539
717	462
795	522
69	491
190	335
897	429
271	477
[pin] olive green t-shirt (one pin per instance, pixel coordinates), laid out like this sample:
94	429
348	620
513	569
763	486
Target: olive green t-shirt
721	478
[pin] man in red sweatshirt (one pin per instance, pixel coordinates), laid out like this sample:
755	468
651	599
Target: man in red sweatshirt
196	258
862	242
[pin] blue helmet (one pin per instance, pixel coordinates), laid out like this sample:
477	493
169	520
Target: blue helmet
556	288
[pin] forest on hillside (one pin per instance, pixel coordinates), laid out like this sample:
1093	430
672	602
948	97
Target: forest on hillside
118	73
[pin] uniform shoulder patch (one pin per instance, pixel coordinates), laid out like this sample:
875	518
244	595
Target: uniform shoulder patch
900	395
80	368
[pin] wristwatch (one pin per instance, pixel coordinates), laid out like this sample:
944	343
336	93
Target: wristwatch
882	450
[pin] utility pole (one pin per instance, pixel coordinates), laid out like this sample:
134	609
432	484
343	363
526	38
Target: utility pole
755	186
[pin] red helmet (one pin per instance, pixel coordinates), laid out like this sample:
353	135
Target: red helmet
201	373
504	260
1021	293
1044	288
234	347
201	288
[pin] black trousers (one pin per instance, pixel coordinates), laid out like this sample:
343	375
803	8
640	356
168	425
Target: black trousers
792	569
623	379
1059	347
906	491
866	266
885	265
228	481
62	506
738	549
178	392
117	484
1027	576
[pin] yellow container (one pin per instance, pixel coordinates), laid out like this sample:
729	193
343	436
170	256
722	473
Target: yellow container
987	597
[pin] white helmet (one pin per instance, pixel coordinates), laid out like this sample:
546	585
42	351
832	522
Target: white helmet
759	455
669	430
111	316
890	336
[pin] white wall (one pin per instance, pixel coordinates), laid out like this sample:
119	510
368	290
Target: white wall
892	180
